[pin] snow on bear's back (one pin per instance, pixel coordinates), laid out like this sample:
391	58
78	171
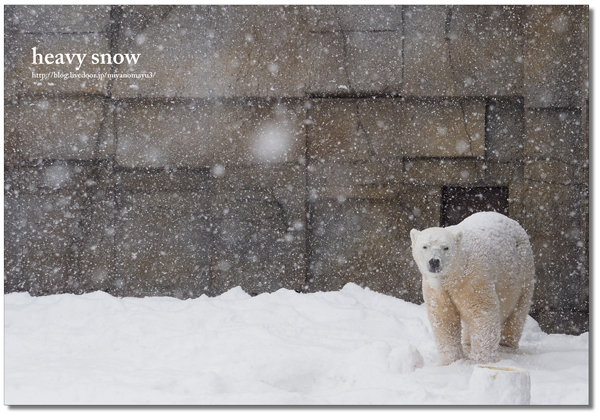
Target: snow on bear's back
487	232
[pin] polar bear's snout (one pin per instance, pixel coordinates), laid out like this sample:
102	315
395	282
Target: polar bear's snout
435	265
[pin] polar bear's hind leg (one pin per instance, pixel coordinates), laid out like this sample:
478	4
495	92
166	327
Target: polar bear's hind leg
512	329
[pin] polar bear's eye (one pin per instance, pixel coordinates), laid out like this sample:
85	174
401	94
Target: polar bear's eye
424	246
445	248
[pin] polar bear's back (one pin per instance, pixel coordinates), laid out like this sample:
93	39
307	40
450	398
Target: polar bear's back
497	244
490	224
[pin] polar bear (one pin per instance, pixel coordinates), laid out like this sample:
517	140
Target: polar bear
478	277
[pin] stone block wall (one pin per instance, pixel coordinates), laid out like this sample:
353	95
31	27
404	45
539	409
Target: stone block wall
289	146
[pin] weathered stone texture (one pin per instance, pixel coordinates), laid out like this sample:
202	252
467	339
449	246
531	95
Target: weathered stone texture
444	172
364	241
355	241
556	55
53	234
553	134
427	66
504	142
333	133
551	213
57	19
52	128
352	18
553	145
351	130
347	180
486	49
463	51
505	130
374	63
328	73
444	128
162	235
259	229
209	133
219	51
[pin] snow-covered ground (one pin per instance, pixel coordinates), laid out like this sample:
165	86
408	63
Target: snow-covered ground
349	347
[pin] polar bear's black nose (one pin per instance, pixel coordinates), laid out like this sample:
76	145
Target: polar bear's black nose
434	265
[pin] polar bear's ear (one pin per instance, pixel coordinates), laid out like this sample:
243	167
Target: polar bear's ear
414	234
458	237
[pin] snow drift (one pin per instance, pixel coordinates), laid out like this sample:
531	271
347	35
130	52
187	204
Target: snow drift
354	346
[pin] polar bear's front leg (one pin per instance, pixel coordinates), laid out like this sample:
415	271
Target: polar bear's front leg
484	326
445	321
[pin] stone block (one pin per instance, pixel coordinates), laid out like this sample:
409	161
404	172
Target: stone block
265	48
353	18
95	263
549	207
505	130
219	51
12	236
486	49
444	128
349	130
57	18
463	51
27	75
134	18
333	132
328	72
503	173
48	207
552	215
383	123
367	242
180	45
162	235
258	132
427	65
444	172
209	133
374	62
346	180
55	128
12	151
354	241
369	18
556	55
12	85
554	133
163	134
259	229
322	18
558	272
550	171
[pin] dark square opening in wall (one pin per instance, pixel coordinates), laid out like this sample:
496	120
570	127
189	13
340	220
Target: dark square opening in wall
459	203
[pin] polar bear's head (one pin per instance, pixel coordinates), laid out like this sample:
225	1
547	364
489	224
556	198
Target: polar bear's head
435	250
